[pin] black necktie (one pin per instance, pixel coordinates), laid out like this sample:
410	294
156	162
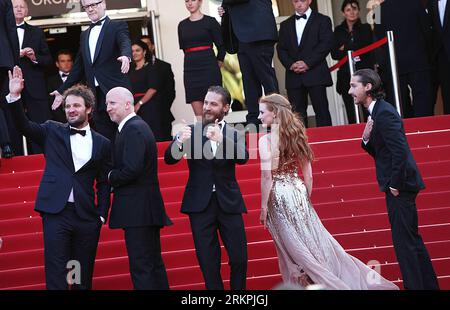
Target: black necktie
97	23
297	17
21	26
74	131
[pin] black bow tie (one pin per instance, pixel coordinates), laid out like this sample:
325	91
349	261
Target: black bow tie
74	131
21	26
64	75
297	17
97	23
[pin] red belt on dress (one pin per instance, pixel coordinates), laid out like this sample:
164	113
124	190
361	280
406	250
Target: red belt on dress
197	48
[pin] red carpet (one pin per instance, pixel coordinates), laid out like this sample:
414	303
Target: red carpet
345	196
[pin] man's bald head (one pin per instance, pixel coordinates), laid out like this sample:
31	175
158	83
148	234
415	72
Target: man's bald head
119	104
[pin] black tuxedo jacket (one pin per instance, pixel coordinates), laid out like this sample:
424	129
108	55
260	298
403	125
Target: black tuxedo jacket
205	169
59	174
252	21
137	197
316	44
9	54
412	33
53	83
112	43
441	34
168	90
395	165
34	73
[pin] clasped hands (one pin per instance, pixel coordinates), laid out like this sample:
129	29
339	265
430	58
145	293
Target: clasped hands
299	67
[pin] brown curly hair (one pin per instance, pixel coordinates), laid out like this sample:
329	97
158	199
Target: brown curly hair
294	147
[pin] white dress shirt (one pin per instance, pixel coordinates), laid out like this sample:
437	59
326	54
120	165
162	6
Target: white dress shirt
370	109
81	147
20	34
442	4
63	78
300	25
122	123
94	34
371	106
214	145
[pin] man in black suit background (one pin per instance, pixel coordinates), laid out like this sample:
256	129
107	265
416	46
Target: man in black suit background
64	63
138	207
254	25
439	11
8	58
165	72
34	58
398	177
412	33
305	40
76	157
102	60
212	198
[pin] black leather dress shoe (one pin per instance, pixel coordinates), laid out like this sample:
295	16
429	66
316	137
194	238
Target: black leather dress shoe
7	152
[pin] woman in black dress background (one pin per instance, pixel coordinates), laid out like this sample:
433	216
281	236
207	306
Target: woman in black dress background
196	35
351	34
145	83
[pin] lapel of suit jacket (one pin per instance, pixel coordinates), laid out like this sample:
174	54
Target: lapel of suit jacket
221	148
293	31
206	145
100	38
85	39
95	148
307	28
26	37
66	137
446	15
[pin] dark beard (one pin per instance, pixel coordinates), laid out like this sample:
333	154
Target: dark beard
206	122
77	123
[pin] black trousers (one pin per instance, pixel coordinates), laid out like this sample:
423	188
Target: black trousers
4	132
144	254
255	60
318	94
444	79
418	101
69	243
204	227
412	256
101	121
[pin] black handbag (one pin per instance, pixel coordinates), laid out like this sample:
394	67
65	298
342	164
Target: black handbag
230	40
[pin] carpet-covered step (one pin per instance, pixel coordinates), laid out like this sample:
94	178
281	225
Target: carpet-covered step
339	147
174	177
257	250
323	148
326	195
430	199
430	228
252	186
34	224
256	268
339	177
435	205
355	130
183	241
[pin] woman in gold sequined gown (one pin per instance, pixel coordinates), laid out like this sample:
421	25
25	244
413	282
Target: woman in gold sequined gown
307	252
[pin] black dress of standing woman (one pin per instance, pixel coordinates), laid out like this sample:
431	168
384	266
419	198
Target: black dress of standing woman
146	86
351	34
196	35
